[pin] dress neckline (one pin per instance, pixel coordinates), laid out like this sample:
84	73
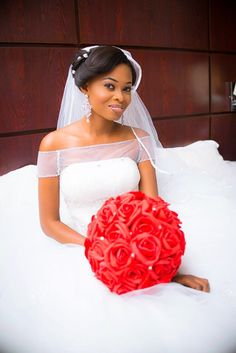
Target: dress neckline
92	146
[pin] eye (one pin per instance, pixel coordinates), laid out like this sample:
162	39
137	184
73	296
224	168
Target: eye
128	89
110	86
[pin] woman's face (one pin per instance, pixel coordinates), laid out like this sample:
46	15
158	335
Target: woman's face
110	93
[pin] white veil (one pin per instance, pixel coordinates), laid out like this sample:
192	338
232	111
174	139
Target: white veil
136	115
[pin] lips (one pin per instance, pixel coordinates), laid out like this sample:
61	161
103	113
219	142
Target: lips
117	108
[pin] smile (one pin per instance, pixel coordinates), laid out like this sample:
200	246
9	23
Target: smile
116	108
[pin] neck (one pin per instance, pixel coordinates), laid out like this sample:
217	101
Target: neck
99	126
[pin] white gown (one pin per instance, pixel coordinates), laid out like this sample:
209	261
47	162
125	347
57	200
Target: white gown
50	301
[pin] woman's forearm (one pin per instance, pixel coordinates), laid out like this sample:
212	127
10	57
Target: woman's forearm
62	233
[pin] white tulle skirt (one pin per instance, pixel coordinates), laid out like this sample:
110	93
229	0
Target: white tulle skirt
50	301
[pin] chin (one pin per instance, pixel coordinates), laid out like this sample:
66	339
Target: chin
112	118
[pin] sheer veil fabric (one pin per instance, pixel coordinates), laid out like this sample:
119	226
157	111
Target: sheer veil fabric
136	115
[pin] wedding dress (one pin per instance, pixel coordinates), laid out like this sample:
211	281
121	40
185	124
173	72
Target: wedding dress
50	301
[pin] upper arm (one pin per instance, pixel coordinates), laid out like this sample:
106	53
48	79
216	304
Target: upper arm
148	181
49	199
48	186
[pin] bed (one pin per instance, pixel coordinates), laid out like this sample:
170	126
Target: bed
197	183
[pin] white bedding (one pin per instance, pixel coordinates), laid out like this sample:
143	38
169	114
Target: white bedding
194	180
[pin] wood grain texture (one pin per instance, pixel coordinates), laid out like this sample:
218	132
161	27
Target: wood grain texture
164	23
182	131
223	71
222	25
44	21
171	40
31	86
18	151
223	130
174	83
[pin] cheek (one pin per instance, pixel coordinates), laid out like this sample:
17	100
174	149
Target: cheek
128	100
99	96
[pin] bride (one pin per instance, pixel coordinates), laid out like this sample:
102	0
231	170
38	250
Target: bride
106	77
104	146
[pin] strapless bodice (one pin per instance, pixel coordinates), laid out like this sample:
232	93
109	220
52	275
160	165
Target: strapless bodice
86	186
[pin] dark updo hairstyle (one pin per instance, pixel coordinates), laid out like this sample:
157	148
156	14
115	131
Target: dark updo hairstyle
97	61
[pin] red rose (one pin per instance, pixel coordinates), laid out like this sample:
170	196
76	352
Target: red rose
125	198
94	231
87	244
106	214
176	260
134	242
118	255
172	241
134	275
107	277
121	288
145	224
117	230
95	254
164	270
146	248
128	211
156	202
168	216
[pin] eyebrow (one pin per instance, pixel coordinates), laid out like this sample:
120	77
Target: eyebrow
112	79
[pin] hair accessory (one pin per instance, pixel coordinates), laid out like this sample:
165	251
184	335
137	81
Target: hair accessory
87	108
77	63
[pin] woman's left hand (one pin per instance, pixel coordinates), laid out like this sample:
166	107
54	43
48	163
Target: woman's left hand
194	282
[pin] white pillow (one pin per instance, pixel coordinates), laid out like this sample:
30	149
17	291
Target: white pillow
201	155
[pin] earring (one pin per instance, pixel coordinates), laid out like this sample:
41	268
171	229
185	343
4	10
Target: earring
87	108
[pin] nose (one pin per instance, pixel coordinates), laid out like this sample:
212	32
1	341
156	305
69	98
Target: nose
119	95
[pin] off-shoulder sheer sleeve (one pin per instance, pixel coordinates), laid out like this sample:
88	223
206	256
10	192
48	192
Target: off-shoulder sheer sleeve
146	151
52	163
48	164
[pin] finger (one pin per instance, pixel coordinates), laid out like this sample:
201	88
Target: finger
193	283
197	286
204	285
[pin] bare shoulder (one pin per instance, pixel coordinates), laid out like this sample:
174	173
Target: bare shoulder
62	138
128	132
139	132
53	141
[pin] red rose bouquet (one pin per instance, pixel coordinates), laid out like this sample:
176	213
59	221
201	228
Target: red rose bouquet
133	242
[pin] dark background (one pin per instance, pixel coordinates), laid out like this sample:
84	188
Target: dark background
187	49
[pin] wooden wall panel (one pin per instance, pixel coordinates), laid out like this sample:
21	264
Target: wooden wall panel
223	71
31	86
174	83
182	131
222	25
164	23
170	39
44	21
19	150
223	130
